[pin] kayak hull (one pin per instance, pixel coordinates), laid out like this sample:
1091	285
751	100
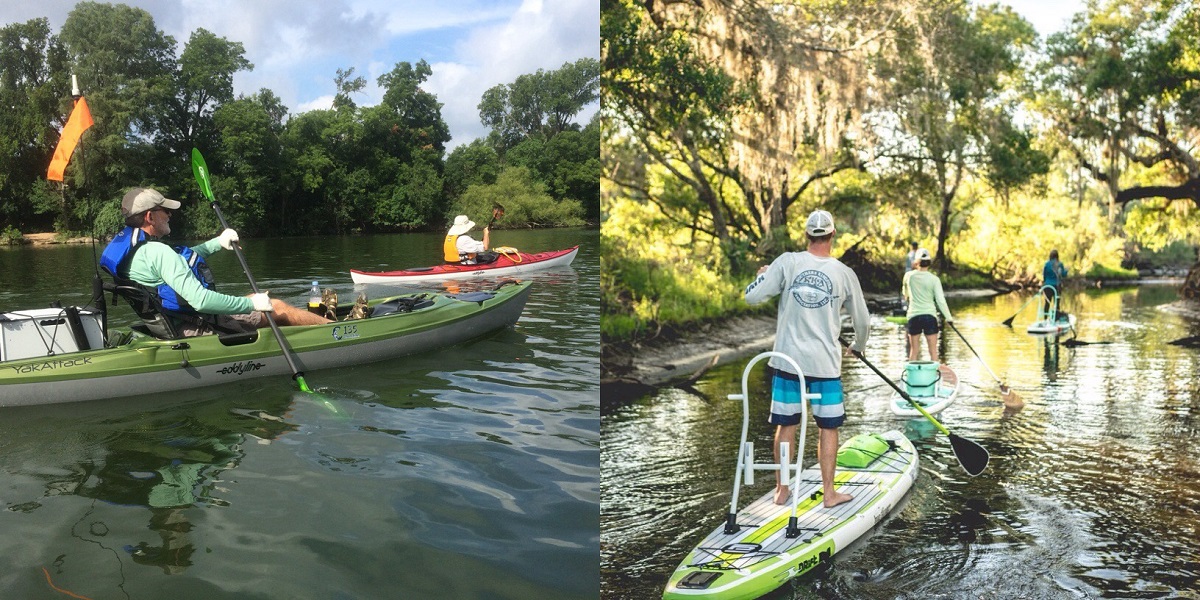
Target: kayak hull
145	365
504	266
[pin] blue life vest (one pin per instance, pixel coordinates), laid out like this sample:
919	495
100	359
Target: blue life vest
119	252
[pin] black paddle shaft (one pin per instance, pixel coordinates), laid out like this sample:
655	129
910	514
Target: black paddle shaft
973	457
297	374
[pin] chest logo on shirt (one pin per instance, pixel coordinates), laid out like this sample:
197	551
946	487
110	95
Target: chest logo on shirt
812	289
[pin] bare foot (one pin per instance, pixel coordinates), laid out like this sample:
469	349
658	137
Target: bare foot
837	498
781	494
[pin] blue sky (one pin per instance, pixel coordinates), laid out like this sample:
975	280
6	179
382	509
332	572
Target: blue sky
297	45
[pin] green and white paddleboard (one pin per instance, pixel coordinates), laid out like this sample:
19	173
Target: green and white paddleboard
760	547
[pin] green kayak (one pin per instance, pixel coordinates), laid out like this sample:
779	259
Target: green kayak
39	363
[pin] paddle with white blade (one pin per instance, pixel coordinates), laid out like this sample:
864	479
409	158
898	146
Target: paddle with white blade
973	457
200	171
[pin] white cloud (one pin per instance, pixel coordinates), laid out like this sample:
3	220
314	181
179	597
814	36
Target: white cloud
296	46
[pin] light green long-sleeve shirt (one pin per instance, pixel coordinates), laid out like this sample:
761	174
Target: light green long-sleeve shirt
156	263
923	290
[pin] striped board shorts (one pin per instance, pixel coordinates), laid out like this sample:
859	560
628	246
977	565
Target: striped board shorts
828	410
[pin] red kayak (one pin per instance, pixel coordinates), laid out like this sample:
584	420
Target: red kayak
508	263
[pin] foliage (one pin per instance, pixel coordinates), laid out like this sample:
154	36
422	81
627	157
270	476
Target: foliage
539	105
345	169
1111	273
525	202
10	236
644	286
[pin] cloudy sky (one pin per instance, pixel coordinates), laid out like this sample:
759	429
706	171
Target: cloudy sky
297	46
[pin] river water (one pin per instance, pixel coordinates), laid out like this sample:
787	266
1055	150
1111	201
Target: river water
465	472
1093	490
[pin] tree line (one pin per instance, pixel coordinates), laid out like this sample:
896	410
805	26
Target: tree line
949	123
347	169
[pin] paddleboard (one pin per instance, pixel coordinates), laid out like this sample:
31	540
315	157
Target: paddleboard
1047	326
946	392
761	546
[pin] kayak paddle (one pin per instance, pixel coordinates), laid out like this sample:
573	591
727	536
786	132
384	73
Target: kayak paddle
497	212
1010	398
973	457
200	171
1009	321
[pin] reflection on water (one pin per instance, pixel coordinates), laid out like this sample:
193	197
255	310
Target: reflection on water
1091	490
466	472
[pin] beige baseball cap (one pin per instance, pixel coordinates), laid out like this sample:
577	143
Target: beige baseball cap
140	200
820	223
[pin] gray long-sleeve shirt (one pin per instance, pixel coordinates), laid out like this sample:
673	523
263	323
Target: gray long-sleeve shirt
813	291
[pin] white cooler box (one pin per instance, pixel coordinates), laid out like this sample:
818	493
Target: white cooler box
45	332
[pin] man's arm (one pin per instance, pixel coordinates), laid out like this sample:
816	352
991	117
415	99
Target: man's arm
859	315
156	263
768	283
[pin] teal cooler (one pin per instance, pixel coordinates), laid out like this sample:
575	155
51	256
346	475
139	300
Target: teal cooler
921	377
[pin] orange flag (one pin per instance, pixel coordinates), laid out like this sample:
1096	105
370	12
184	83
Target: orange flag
80	120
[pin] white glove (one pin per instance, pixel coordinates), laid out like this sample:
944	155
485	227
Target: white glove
228	238
261	300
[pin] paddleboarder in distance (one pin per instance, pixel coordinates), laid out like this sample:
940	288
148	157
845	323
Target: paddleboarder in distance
1053	272
813	287
923	293
180	277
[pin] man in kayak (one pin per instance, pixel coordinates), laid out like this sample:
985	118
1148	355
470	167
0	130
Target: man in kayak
922	290
461	248
181	278
813	287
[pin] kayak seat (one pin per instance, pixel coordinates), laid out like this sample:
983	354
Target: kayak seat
147	307
156	320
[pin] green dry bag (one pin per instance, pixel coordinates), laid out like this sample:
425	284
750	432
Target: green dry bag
861	450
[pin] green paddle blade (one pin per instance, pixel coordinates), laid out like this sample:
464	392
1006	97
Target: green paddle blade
973	457
200	172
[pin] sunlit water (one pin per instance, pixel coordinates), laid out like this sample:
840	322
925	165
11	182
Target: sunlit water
1093	490
465	472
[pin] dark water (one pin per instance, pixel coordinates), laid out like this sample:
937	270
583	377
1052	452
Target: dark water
466	472
1093	490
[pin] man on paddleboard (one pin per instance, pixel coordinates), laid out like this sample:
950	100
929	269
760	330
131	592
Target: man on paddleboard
180	277
813	288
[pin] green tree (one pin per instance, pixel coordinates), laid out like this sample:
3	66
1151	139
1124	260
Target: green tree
250	154
470	164
1122	86
203	80
947	97
541	104
33	81
123	63
525	201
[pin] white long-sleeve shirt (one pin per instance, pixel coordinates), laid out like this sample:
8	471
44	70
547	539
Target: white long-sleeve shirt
813	290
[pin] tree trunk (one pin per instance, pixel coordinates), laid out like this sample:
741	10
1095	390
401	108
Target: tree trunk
1191	285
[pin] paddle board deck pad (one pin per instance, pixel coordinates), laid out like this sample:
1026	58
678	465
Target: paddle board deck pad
946	392
1052	327
760	556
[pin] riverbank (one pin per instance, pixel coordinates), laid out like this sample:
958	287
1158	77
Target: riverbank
674	356
49	239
